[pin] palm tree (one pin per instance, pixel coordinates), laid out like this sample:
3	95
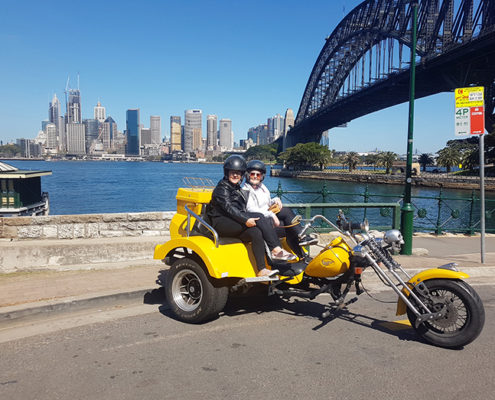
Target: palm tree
351	159
470	159
448	157
424	160
371	159
387	158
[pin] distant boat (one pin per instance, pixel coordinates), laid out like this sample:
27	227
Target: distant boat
20	192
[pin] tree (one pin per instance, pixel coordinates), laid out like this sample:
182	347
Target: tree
371	159
266	152
470	159
306	155
10	150
448	157
386	159
351	159
425	160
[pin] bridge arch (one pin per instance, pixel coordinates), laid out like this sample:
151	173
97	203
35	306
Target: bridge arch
368	54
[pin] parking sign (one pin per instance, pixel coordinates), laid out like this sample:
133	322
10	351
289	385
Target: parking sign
469	111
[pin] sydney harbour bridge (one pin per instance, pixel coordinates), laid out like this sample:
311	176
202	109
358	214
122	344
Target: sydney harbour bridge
364	64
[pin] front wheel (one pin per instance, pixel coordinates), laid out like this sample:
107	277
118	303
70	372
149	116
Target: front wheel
464	317
191	294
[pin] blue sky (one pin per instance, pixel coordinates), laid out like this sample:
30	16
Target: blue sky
243	60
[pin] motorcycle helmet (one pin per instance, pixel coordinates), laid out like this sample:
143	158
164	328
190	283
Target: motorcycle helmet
256	165
234	163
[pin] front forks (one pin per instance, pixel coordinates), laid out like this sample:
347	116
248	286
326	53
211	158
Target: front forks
421	288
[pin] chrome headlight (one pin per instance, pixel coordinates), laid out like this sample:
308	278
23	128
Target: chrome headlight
393	237
359	251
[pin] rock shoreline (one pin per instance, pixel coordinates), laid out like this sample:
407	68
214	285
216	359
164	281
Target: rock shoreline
425	179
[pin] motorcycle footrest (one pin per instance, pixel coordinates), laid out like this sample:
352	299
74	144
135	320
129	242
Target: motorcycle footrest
255	279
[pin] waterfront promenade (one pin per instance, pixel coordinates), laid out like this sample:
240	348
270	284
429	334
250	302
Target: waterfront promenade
35	294
366	177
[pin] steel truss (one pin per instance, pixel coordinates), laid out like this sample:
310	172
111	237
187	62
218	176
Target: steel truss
365	54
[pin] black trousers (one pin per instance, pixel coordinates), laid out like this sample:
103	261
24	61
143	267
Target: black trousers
226	226
285	216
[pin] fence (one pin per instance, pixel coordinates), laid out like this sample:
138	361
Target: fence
441	213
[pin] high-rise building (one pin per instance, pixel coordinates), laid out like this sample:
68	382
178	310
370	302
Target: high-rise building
55	118
100	114
211	131
109	131
192	130
156	129
275	127
133	127
54	110
258	134
74	113
62	137
288	124
51	136
92	132
175	133
145	136
226	135
76	138
29	147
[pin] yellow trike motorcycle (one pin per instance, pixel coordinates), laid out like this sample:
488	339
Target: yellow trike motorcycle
205	268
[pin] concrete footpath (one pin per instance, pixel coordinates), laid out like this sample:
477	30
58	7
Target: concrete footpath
36	293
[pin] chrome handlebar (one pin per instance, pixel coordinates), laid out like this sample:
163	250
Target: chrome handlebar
201	221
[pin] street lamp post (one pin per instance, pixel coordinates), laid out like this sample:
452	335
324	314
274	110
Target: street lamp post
407	208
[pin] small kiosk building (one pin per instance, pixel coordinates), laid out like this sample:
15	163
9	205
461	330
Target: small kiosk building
20	192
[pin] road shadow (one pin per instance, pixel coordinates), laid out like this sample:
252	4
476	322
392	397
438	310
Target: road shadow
157	296
257	301
260	303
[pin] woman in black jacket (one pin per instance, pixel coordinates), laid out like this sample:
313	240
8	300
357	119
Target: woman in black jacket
228	216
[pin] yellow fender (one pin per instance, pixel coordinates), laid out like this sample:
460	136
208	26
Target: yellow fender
434	273
224	261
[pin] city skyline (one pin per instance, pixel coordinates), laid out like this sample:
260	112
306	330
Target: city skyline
57	135
257	70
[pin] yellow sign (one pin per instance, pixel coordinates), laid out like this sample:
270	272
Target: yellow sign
469	97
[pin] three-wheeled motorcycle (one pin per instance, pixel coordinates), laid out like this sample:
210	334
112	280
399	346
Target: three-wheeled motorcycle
205	268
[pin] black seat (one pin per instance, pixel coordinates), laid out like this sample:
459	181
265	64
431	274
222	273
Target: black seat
289	269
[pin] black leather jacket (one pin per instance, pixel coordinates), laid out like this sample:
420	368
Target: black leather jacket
228	200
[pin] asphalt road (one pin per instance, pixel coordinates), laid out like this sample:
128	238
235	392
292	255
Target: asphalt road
257	349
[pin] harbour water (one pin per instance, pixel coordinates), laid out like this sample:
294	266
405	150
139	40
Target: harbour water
90	187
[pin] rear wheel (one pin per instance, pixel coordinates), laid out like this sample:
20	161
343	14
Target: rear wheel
464	317
191	294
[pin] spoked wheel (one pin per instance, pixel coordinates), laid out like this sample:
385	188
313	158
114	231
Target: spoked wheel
190	293
464	314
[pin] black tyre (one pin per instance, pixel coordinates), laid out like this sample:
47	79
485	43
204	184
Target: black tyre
463	321
192	296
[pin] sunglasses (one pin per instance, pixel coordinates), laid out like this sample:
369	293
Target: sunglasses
254	174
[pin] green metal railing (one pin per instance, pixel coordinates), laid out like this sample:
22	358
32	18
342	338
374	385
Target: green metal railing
441	213
308	210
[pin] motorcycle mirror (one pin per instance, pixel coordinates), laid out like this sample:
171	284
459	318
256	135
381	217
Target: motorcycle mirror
365	226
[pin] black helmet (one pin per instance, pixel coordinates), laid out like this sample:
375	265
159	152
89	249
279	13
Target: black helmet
256	165
234	163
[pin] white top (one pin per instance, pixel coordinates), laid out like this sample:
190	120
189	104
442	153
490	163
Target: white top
259	199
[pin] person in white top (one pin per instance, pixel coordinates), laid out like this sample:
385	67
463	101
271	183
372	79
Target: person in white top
260	201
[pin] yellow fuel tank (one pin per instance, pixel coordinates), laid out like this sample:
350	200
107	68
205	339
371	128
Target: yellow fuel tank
332	260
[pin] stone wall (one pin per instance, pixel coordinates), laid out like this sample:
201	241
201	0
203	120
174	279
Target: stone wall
426	179
86	226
